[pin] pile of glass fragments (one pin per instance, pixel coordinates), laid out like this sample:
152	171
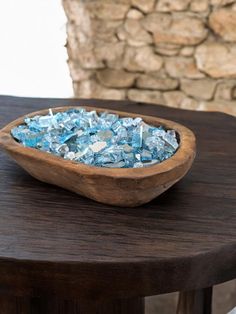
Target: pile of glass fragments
98	139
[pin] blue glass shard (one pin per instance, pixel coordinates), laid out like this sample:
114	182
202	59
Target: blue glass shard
65	137
138	165
146	155
120	164
19	132
150	163
137	137
127	148
44	145
127	122
128	159
102	140
115	126
137	121
105	135
171	139
32	140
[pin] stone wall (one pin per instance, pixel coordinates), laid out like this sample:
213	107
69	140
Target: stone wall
179	53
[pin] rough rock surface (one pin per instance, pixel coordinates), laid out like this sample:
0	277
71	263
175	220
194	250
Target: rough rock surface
199	89
142	59
153	97
134	14
155	82
221	2
187	51
116	78
217	59
144	5
199	5
170	5
226	90
106	9
178	53
180	29
223	23
87	88
133	32
179	67
167	49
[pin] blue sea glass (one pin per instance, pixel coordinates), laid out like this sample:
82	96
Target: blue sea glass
101	140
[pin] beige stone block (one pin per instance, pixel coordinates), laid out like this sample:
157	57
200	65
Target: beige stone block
77	73
121	33
177	99
98	31
217	59
219	105
135	29
173	98
134	14
221	2
77	13
122	1
157	83
135	43
134	33
115	64
104	30
91	89
85	56
146	96
199	5
109	51
223	23
106	10
190	104
182	67
116	78
179	28
77	36
142	59
183	31
167	49
154	22
226	90
187	51
144	5
200	89
172	5
88	60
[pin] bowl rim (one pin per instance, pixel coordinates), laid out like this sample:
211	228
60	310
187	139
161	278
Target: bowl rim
185	152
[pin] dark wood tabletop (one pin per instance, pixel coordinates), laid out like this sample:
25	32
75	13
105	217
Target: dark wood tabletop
54	242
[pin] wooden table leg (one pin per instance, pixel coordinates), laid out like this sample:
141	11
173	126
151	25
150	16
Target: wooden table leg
19	305
195	302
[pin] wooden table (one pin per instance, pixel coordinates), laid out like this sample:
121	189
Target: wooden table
62	253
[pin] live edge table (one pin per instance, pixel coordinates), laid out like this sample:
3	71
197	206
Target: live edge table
62	253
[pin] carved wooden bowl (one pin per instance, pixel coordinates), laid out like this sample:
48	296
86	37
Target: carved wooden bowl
126	187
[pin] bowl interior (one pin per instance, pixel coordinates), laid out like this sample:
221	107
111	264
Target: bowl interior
186	148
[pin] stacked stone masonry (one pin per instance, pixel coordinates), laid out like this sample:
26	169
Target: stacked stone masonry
178	53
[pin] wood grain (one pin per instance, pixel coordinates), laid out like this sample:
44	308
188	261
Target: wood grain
195	302
21	305
121	187
56	243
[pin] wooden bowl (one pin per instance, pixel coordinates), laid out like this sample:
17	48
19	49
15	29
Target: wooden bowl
121	187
